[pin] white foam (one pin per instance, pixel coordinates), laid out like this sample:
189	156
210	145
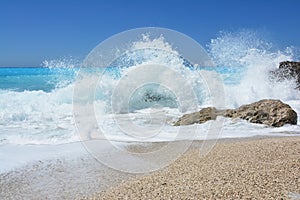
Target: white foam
14	156
36	117
46	118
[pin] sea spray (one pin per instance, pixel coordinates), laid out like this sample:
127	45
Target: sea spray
254	58
44	115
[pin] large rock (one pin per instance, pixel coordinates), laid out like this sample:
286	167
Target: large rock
288	70
268	111
200	117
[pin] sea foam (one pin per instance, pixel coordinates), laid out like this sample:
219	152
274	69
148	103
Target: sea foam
242	60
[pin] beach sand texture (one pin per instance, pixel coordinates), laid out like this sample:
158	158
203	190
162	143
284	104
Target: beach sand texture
241	168
250	169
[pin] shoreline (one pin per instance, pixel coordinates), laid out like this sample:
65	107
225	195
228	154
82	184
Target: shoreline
83	177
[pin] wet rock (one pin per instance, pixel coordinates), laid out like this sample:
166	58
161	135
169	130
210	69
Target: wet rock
270	112
200	117
287	70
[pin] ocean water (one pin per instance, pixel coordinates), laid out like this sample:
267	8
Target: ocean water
36	104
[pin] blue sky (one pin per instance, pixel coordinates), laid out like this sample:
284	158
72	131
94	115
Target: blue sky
35	30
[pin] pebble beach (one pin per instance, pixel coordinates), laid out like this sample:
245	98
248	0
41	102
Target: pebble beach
266	168
241	168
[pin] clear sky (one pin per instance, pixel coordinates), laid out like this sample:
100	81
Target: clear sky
34	30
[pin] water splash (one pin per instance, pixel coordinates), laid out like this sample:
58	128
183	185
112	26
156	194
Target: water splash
243	60
256	58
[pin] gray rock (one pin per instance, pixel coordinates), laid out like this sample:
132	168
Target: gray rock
270	112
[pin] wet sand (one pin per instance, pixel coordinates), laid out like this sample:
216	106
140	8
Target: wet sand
244	168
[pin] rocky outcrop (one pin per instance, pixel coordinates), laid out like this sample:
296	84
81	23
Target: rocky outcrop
270	112
288	70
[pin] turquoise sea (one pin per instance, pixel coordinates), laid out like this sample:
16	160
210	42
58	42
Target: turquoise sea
37	111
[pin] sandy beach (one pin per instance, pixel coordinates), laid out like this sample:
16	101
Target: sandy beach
264	168
242	168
